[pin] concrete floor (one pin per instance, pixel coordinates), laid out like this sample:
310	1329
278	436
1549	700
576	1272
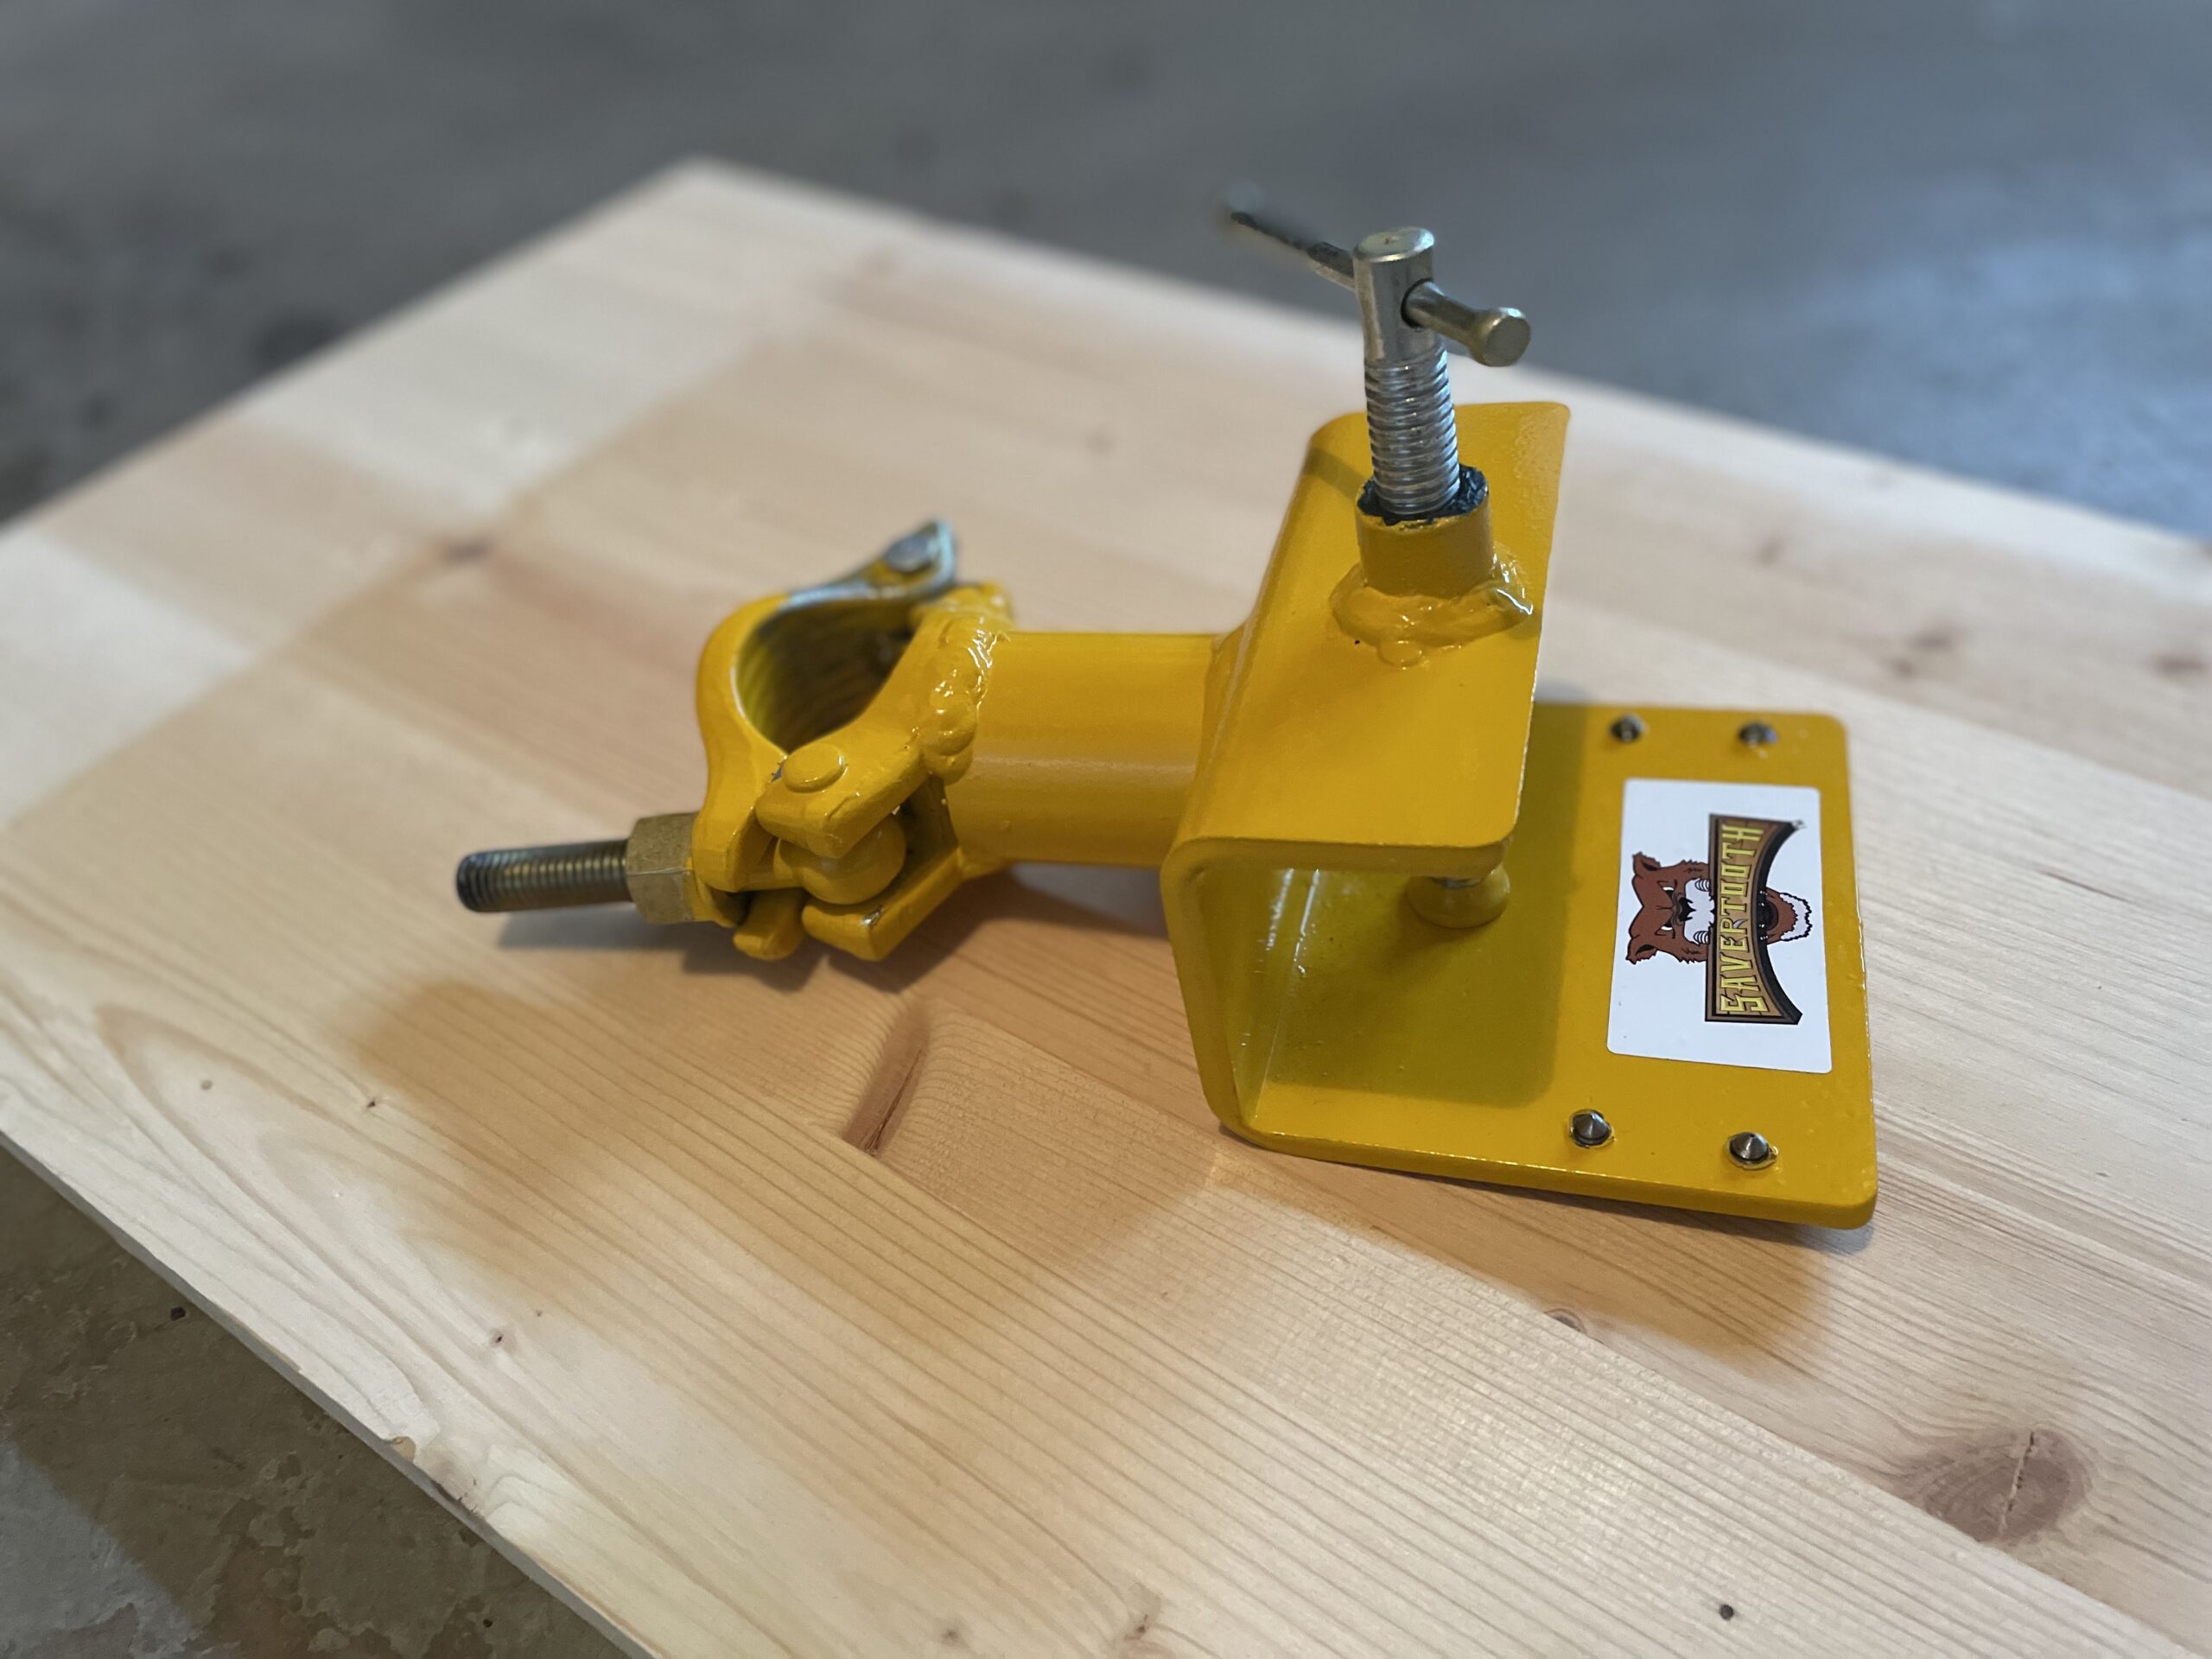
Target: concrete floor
164	1492
1977	235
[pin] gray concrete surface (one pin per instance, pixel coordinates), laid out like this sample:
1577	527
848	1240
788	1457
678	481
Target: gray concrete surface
1978	235
164	1492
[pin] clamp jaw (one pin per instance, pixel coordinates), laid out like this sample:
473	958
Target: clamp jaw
1391	951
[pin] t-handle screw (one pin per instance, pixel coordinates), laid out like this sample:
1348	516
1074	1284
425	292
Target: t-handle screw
1406	322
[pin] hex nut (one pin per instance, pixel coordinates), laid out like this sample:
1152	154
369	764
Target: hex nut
656	867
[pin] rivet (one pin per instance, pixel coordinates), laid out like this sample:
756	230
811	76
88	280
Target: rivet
1757	735
1751	1149
816	766
1589	1129
1627	729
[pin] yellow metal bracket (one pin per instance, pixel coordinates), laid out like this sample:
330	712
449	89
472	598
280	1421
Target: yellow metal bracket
1421	920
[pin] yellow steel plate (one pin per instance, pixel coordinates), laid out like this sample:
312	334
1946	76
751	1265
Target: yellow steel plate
1324	740
1712	987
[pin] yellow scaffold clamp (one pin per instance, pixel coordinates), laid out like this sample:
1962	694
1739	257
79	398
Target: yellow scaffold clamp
1421	918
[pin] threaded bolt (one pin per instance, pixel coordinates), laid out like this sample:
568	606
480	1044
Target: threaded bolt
1412	434
544	878
1404	320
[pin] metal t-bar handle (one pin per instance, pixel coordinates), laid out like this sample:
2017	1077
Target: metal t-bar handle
1494	336
1406	322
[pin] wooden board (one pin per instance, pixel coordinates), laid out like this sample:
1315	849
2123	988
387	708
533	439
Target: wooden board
829	1308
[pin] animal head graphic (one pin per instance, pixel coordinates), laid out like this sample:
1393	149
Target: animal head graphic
1675	911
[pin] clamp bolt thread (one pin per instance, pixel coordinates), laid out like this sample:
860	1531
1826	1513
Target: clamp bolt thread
544	878
1413	436
1407	322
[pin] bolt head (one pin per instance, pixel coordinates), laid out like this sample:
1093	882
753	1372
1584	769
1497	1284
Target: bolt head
1627	729
1757	735
1407	243
1589	1129
1751	1150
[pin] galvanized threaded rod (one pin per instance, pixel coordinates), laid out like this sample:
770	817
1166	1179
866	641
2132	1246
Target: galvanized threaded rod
544	878
1411	431
1412	434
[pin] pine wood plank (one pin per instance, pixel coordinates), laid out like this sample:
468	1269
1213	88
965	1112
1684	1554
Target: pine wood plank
575	1217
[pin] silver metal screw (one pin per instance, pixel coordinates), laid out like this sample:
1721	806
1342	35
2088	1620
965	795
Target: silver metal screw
1589	1129
1406	322
1751	1149
1627	729
1757	735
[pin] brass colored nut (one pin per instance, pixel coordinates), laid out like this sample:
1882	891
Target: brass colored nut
656	867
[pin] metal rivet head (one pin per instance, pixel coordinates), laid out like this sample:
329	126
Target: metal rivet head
1589	1129
1757	735
1627	729
1751	1149
812	767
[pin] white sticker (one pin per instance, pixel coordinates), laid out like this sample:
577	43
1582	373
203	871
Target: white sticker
1719	952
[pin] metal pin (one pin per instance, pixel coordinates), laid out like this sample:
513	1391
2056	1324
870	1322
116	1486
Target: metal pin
1751	1149
1627	729
1245	208
1757	735
1589	1129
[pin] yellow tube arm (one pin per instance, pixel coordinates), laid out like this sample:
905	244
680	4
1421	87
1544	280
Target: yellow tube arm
1085	747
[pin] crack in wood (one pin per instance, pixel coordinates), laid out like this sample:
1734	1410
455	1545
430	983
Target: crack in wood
890	1085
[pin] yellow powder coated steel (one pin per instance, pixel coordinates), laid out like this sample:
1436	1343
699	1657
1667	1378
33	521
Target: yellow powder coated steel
1329	1020
1414	914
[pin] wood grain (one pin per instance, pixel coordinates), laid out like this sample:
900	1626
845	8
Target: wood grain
820	1307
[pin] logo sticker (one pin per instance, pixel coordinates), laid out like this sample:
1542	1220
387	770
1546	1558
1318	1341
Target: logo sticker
1720	956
